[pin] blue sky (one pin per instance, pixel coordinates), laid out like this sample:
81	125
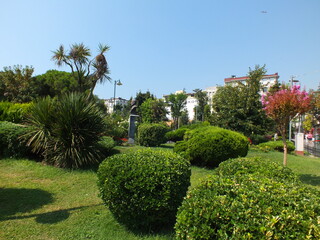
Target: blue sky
168	45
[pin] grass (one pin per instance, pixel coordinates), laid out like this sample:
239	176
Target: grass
43	202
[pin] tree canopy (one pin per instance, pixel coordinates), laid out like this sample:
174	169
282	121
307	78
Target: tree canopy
238	107
177	103
153	111
202	98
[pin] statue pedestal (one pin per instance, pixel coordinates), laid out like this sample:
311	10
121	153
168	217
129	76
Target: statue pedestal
132	128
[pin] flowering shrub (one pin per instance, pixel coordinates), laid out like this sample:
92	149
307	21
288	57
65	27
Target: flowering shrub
283	105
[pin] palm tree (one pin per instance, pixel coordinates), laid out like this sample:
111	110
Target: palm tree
77	58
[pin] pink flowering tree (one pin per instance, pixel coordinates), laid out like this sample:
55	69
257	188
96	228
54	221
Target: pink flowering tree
282	106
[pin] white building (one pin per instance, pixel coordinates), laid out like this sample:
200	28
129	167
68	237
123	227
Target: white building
267	81
192	102
110	103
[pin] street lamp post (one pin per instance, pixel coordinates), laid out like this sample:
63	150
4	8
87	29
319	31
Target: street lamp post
292	80
116	82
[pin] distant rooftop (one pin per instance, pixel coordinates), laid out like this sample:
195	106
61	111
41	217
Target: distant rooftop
233	78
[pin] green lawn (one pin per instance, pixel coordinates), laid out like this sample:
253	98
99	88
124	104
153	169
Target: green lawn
43	202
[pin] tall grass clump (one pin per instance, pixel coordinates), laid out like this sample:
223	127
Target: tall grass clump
67	131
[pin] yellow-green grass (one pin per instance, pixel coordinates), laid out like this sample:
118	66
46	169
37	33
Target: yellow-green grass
43	202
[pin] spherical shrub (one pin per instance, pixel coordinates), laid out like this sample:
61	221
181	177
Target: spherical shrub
249	207
209	146
152	134
257	165
144	189
277	146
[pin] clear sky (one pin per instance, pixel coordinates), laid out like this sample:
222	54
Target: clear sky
168	45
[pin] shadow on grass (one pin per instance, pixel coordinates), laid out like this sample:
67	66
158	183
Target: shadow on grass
21	200
169	146
50	217
310	179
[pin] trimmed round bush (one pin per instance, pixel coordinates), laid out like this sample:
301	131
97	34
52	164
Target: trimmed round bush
277	146
151	134
144	189
249	207
257	165
209	146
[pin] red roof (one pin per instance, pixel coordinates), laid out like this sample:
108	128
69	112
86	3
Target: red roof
246	77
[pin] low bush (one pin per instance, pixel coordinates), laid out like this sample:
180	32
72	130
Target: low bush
258	166
276	146
257	139
249	207
144	189
107	144
14	112
151	134
176	135
209	146
11	142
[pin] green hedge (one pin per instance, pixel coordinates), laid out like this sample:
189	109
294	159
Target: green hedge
257	165
12	144
176	135
209	146
276	146
257	139
249	207
151	134
14	112
144	189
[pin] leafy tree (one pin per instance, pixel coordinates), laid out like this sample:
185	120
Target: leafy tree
153	111
15	82
177	102
184	118
282	106
308	122
315	110
141	97
53	83
87	72
238	107
202	98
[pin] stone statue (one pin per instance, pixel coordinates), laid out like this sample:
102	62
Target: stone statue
133	110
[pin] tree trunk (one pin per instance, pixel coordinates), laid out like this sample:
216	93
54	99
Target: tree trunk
285	149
